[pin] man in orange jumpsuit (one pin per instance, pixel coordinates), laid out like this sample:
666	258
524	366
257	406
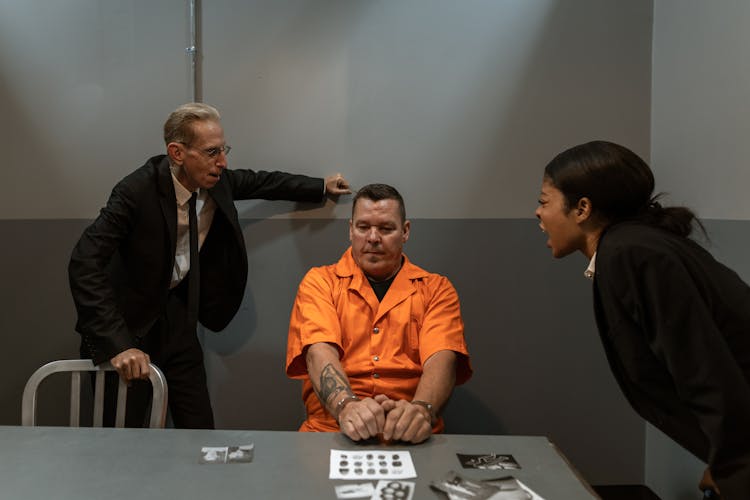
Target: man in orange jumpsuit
377	341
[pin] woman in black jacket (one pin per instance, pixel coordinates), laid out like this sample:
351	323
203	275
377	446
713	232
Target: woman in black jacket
675	323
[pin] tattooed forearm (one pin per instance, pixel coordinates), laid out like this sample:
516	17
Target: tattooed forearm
332	382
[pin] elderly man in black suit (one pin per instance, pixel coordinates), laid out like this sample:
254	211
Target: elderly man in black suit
167	252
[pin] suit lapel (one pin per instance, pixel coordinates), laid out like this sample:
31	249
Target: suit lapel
168	202
225	204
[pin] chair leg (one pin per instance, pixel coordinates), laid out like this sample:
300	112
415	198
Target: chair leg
75	399
122	397
99	400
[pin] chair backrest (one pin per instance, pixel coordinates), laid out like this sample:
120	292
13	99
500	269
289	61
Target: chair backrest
78	366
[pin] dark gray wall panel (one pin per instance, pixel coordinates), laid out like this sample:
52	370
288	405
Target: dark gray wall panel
37	316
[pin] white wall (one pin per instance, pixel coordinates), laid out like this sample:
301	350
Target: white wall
458	101
701	105
85	88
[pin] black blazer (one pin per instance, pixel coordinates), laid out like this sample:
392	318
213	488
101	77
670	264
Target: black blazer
675	324
121	267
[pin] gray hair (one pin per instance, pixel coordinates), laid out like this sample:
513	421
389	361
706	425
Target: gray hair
178	127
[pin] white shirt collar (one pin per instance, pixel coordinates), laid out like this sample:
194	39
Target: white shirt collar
591	270
180	191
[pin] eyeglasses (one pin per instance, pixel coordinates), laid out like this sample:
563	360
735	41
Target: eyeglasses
213	152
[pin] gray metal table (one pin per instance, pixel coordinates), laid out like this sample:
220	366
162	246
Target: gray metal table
67	463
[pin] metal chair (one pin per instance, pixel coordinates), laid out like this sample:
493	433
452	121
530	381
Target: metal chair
78	366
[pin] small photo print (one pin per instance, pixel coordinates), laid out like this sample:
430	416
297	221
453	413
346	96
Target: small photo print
226	454
456	487
240	454
490	461
394	490
356	490
512	485
213	455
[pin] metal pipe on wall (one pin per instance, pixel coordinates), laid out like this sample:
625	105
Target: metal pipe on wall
192	52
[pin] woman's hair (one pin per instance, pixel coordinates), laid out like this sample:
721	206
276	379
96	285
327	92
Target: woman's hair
619	185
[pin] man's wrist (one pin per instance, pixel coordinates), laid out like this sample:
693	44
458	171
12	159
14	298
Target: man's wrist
427	406
342	403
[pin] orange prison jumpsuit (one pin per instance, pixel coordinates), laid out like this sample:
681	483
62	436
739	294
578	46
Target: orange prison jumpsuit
382	345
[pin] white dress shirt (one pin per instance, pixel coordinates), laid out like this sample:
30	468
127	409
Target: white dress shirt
205	207
591	270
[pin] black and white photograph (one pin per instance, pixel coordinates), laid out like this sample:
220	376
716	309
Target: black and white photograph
371	464
394	490
213	455
490	461
240	454
354	490
456	487
227	454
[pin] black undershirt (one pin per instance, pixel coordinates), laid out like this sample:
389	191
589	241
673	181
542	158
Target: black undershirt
381	287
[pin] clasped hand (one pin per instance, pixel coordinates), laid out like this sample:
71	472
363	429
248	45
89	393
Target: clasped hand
132	364
394	420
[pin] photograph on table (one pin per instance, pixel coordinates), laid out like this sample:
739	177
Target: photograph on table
492	461
456	487
227	454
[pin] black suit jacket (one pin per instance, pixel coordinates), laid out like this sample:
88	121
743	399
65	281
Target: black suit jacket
675	324
121	267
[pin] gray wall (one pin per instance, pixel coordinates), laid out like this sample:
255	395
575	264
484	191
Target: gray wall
449	100
701	110
699	151
458	104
